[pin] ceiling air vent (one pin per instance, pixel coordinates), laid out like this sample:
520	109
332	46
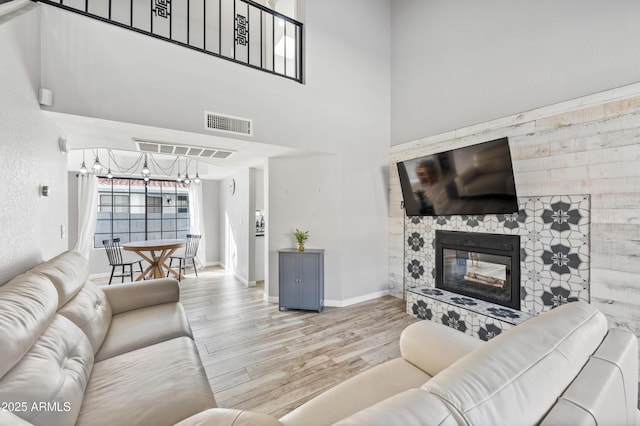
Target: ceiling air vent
158	147
228	124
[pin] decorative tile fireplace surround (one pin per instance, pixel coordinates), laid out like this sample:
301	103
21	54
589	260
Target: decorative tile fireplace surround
554	263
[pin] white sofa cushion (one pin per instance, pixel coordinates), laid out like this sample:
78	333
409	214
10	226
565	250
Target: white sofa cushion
89	310
144	327
157	385
67	271
51	378
29	303
516	377
414	407
605	392
357	393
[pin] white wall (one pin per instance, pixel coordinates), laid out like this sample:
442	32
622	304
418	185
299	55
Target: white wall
304	193
344	108
460	63
29	154
236	226
210	205
260	242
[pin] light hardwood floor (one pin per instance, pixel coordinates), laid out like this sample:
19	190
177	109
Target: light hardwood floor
258	358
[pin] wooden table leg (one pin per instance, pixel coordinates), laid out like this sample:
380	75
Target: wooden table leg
149	268
167	268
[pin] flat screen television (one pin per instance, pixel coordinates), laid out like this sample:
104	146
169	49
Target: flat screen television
476	179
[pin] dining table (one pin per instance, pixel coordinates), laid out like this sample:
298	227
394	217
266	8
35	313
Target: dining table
156	253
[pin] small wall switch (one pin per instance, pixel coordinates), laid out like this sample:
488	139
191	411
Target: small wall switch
46	97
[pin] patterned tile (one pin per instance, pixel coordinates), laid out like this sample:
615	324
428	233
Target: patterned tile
555	249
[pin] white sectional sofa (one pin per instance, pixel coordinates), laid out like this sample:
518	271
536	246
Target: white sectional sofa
74	353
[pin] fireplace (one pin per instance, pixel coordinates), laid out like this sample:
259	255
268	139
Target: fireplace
483	266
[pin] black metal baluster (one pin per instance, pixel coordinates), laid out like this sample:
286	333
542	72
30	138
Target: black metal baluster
261	41
151	14
204	24
189	19
220	27
235	29
248	36
273	43
131	13
86	6
170	20
299	58
110	6
284	38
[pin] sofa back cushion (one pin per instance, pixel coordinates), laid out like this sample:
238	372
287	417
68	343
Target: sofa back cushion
67	271
605	392
90	310
50	380
28	304
517	377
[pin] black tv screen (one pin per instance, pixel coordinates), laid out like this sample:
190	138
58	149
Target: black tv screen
476	179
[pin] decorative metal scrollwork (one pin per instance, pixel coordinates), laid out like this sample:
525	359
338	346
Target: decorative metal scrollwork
162	8
242	30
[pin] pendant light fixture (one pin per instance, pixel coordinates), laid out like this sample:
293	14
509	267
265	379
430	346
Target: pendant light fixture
179	178
186	172
83	167
97	166
145	168
109	174
197	179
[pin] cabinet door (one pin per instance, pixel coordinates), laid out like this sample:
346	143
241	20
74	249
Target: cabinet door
289	285
310	281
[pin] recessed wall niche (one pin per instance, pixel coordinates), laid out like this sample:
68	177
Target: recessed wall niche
554	254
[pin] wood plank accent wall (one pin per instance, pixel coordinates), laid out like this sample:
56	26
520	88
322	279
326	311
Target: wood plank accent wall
589	145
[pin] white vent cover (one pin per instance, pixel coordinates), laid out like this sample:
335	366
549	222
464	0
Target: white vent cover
228	124
158	147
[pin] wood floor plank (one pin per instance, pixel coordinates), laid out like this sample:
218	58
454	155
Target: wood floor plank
261	359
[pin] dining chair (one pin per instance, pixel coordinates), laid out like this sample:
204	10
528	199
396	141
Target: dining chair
114	253
190	251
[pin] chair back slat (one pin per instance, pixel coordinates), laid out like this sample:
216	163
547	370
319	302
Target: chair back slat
191	249
114	253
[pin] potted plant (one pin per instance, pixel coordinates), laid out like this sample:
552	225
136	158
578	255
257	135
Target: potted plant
301	238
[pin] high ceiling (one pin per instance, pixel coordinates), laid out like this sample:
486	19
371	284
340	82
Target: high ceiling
97	136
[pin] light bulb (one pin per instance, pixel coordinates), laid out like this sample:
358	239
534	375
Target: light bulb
97	167
146	178
83	169
145	168
186	179
179	178
109	174
197	180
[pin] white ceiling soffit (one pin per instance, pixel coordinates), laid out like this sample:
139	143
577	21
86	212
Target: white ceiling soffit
158	147
228	124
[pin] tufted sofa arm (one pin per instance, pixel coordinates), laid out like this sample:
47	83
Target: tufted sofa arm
229	417
137	295
432	347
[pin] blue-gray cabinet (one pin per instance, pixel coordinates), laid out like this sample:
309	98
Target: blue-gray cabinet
301	284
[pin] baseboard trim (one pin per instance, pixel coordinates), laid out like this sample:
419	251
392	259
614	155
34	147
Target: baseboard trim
244	281
354	300
338	303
